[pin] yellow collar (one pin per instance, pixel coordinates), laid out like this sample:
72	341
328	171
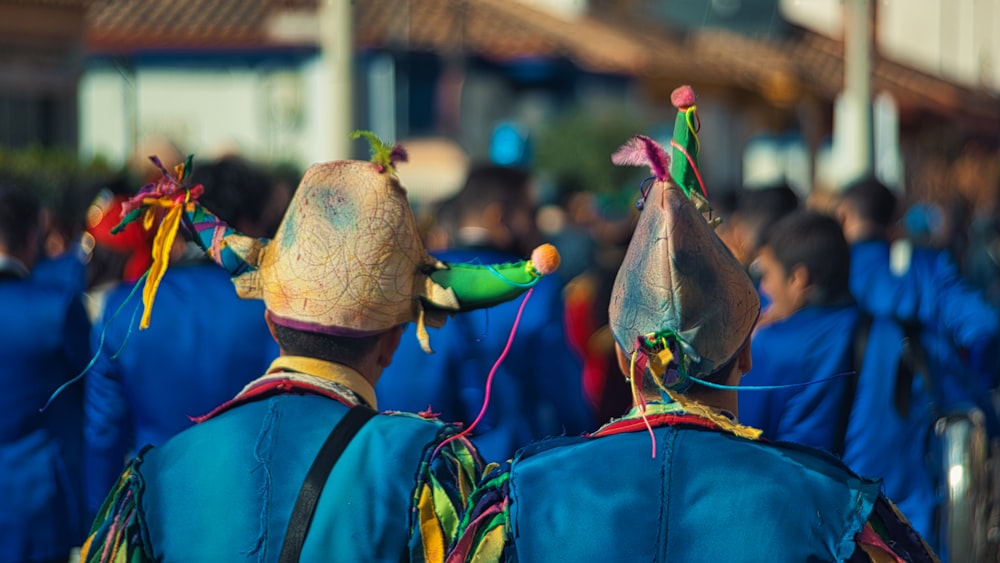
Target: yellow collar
337	373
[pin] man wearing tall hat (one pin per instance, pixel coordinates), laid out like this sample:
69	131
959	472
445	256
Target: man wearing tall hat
678	478
300	465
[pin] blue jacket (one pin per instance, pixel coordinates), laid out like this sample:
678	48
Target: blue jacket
707	495
67	270
43	342
224	490
958	328
203	345
881	442
852	416
722	482
812	344
537	392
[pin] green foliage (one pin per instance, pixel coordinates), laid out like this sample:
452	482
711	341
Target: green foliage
575	150
63	183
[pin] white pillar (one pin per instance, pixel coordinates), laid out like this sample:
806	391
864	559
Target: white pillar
856	146
336	43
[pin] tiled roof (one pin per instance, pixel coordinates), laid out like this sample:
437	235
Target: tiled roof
820	61
66	3
499	29
125	25
506	29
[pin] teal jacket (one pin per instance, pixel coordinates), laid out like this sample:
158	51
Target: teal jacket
707	495
224	489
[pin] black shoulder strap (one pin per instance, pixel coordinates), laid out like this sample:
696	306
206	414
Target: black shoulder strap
305	505
912	363
859	346
861	334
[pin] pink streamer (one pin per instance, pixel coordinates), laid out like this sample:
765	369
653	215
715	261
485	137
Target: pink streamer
489	378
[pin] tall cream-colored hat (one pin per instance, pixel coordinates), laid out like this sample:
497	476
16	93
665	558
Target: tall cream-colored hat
347	258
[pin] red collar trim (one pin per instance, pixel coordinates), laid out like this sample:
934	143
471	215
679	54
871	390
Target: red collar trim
656	420
268	389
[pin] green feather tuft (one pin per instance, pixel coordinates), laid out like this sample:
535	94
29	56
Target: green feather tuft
381	153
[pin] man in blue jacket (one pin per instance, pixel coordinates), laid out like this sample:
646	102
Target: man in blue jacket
537	390
950	330
299	465
206	344
831	371
921	288
679	478
43	343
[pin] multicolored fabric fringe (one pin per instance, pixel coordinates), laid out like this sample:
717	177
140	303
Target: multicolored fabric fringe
438	503
159	205
117	529
482	534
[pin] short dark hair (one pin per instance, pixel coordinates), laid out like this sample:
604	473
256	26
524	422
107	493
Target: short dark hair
236	189
20	215
816	241
759	208
337	349
871	200
490	183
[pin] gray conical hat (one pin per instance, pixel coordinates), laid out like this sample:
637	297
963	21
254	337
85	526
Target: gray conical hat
679	286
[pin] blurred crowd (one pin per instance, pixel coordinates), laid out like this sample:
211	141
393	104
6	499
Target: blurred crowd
880	312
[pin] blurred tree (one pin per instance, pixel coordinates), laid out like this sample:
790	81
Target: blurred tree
64	184
575	150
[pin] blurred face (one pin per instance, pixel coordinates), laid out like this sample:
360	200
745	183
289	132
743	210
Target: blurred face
852	226
786	290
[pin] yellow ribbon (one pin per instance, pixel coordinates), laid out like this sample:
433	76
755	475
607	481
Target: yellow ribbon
163	242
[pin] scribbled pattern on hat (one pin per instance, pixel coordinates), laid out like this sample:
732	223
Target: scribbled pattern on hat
347	258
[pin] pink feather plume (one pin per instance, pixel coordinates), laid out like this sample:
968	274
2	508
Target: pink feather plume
641	150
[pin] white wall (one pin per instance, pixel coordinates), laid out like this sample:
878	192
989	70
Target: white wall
958	40
269	115
104	130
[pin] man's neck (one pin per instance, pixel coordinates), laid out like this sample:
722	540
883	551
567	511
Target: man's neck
867	233
349	377
719	399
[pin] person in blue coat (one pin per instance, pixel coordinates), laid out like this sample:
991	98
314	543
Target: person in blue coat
679	478
43	342
803	265
537	390
299	465
206	344
920	287
830	371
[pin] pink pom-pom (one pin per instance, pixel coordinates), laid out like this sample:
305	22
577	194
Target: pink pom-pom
545	259
682	97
